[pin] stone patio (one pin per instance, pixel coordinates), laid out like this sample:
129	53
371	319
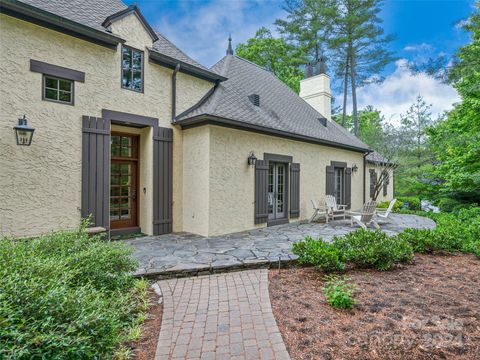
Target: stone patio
184	254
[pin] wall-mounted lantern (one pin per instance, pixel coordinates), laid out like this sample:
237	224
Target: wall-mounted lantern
252	160
355	168
23	132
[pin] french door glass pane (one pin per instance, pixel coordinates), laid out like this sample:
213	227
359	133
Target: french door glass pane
280	187
271	186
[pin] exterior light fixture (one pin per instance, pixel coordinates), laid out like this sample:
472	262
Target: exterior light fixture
355	168
252	160
23	132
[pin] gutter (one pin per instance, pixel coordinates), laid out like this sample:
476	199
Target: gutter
174	91
171	63
206	119
58	23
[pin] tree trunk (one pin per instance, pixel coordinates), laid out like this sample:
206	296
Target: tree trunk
354	94
345	94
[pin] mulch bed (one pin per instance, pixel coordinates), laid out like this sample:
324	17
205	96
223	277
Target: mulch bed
429	310
144	347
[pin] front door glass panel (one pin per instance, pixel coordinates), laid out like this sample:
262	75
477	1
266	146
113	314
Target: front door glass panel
339	185
123	181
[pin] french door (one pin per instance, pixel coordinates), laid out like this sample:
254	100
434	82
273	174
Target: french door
339	185
123	181
277	191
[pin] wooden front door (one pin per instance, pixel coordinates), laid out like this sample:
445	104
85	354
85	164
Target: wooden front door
124	181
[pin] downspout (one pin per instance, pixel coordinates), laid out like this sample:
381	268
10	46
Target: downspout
174	92
364	174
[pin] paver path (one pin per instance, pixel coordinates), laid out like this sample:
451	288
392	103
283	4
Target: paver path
171	254
221	316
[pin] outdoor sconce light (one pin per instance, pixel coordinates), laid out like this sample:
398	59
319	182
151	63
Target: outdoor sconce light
355	168
23	132
252	159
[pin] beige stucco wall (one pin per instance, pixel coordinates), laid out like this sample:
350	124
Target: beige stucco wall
231	180
196	181
40	185
378	170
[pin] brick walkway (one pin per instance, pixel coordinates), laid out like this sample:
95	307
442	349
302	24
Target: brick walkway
221	316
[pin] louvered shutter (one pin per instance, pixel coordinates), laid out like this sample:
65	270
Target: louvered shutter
330	181
162	180
294	190
96	170
348	187
373	180
261	189
385	184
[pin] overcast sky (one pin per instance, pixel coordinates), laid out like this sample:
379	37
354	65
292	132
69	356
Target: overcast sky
422	28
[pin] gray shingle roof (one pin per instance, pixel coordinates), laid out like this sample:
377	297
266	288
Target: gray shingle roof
92	13
280	108
375	157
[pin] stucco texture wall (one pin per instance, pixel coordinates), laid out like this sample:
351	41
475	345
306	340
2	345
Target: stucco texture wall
40	185
381	197
231	180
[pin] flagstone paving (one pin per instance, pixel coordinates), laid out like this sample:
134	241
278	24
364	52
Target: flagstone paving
188	254
220	316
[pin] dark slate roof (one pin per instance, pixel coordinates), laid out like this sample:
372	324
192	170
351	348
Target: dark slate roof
93	13
375	157
281	110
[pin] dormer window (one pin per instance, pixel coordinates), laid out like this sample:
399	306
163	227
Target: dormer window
132	69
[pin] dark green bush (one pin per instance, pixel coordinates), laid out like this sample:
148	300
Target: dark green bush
322	255
67	296
375	249
338	292
448	204
411	203
421	240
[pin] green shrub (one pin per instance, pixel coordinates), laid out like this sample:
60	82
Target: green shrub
396	207
67	296
448	204
411	203
322	255
375	249
421	240
338	292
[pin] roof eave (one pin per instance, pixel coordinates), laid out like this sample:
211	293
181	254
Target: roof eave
58	23
185	68
206	119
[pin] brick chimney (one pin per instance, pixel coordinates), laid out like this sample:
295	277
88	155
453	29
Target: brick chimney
315	88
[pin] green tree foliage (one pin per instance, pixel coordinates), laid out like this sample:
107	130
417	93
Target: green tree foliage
273	54
371	126
416	157
456	140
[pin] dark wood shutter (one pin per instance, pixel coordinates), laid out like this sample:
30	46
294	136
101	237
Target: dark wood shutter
162	180
385	183
261	190
330	182
96	170
348	187
373	181
294	190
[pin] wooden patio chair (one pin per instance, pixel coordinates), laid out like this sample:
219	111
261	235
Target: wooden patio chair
366	217
384	213
317	211
334	210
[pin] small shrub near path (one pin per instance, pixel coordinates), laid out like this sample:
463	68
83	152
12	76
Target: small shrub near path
338	292
66	295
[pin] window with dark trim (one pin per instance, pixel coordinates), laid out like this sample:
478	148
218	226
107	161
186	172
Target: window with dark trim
132	69
57	89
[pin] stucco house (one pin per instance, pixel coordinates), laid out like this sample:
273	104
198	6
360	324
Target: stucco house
135	133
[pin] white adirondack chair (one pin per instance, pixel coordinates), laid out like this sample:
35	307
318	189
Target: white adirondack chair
366	217
317	211
383	213
334	210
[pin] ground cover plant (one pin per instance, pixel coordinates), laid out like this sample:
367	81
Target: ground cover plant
66	295
339	292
